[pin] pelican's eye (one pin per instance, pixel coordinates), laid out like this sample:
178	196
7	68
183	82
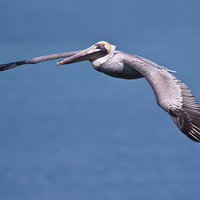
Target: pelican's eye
100	46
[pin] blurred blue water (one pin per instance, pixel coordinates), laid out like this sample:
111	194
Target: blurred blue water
70	132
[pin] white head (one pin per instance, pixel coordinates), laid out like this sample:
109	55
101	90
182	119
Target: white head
110	50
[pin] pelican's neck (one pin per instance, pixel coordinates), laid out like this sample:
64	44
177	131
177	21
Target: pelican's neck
102	60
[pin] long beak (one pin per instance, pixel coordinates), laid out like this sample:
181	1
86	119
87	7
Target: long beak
90	53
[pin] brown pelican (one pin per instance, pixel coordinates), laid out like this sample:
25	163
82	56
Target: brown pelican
172	95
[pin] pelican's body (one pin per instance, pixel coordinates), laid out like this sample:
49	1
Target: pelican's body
171	94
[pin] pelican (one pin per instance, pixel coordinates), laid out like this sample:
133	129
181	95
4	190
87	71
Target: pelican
172	95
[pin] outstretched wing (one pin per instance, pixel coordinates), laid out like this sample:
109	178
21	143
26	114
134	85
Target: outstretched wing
172	95
177	99
36	60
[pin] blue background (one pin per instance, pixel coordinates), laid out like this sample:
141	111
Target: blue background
69	132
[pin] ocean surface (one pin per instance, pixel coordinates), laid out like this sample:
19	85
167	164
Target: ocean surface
72	133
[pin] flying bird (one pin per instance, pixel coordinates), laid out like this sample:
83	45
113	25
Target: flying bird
172	95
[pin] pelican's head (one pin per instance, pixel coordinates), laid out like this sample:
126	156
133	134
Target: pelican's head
96	54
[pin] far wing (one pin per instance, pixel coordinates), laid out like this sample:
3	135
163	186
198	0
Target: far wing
36	60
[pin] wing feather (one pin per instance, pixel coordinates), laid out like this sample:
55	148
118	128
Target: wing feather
188	117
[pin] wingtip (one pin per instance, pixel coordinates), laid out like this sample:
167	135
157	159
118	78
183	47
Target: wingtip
11	65
194	134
